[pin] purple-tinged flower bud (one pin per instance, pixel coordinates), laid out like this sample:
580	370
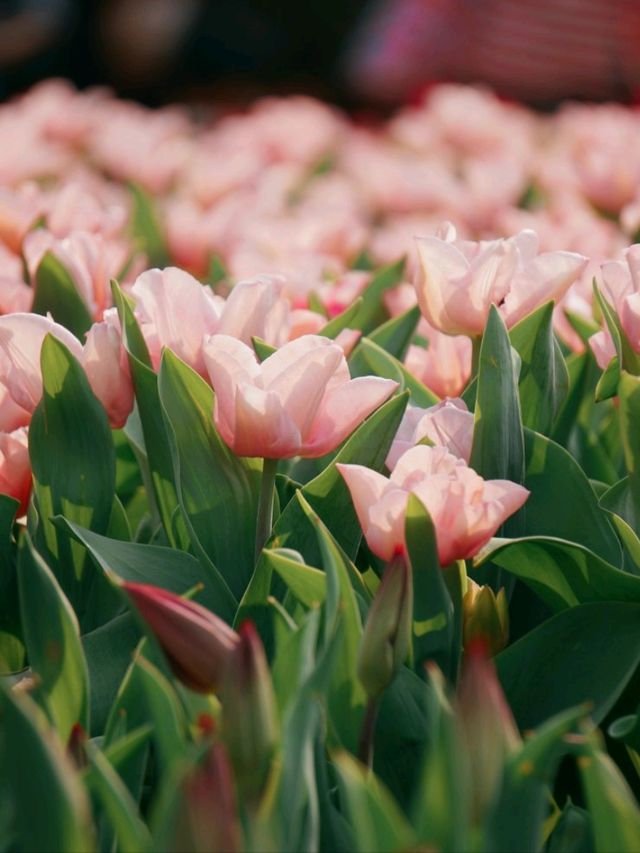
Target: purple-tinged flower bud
197	643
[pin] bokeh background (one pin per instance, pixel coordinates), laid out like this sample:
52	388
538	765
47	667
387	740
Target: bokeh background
359	54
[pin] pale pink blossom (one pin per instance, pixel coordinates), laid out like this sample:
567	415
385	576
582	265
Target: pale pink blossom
106	364
15	466
299	402
175	310
444	366
20	209
448	424
466	510
459	281
621	281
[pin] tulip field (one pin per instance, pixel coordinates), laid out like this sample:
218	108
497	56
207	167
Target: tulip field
319	477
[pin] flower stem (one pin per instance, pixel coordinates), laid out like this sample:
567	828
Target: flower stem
365	741
265	506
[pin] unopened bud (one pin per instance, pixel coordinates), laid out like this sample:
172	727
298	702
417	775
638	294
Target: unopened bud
488	730
208	817
249	713
486	616
197	643
387	635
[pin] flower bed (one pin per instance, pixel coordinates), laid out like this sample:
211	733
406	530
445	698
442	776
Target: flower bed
319	487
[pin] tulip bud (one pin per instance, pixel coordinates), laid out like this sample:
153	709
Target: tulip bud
197	643
387	635
488	730
485	615
208	818
249	713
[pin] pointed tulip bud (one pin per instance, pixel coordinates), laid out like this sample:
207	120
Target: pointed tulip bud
485	615
387	635
208	816
487	727
76	746
249	713
197	643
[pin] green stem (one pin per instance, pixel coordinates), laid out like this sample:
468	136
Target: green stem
265	506
476	343
367	732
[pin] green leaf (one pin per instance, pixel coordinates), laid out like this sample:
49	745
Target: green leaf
498	444
108	651
53	643
218	491
73	463
372	312
262	348
629	394
163	710
570	659
174	570
627	357
614	810
342	321
56	293
307	584
151	439
50	808
572	833
12	651
433	616
396	334
562	573
516	821
544	379
369	358
145	228
608	383
562	502
378	824
116	801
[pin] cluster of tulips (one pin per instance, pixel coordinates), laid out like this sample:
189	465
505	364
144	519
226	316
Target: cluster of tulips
319	514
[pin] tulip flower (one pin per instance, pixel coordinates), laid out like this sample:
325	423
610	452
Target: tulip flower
107	367
466	510
15	467
458	281
622	287
448	424
197	643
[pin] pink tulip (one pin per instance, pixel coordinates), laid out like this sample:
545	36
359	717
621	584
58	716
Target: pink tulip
19	210
622	288
299	402
448	424
90	259
197	643
174	310
459	281
107	367
466	510
21	337
15	466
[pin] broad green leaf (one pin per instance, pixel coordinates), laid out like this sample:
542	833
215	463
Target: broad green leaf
572	833
163	710
307	584
56	293
613	808
372	311
608	383
629	395
562	573
49	805
442	780
370	358
168	568
12	651
108	651
119	806
562	502
346	697
572	658
498	445
433	617
73	463
218	491
544	379
378	825
149	436
395	335
145	227
53	644
516	821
